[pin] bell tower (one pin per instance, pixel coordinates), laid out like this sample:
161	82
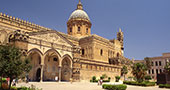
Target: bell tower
79	22
120	38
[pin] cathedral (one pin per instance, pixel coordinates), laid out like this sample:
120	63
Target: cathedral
77	55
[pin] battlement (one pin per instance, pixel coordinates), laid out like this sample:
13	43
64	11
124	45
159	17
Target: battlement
17	22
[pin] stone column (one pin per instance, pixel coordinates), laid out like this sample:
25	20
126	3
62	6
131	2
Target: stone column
42	68
59	72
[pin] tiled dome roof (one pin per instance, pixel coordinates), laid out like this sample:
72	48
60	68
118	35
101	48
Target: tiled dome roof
79	14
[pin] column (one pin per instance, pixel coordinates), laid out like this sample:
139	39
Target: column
42	68
59	76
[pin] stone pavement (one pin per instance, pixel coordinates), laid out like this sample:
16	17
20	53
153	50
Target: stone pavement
78	86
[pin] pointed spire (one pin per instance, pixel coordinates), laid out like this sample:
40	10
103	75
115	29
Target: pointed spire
79	1
79	6
120	30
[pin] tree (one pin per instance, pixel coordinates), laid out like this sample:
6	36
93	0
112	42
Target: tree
148	62
12	63
167	67
139	71
124	71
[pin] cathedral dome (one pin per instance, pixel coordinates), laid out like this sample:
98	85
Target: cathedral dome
79	14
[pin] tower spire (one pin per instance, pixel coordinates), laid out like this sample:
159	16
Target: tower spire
120	30
79	5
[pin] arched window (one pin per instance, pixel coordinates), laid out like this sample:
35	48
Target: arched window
101	52
70	29
55	59
78	29
87	30
82	51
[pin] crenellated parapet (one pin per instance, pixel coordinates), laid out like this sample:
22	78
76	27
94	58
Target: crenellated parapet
20	24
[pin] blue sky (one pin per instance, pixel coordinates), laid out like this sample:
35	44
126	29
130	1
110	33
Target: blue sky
145	23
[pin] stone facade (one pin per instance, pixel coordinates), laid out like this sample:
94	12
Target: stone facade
78	54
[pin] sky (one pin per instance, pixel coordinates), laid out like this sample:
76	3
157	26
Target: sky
145	23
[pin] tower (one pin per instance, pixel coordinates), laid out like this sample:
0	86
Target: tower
79	22
120	38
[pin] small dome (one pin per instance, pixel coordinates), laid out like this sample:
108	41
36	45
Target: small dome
79	14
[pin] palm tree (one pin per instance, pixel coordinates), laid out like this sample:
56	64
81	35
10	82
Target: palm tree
139	71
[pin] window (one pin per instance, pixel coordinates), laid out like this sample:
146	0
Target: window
160	63
78	29
160	70
86	30
110	62
70	29
149	71
101	52
82	51
156	71
55	59
152	71
156	63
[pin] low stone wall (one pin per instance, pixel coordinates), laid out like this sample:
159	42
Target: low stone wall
86	75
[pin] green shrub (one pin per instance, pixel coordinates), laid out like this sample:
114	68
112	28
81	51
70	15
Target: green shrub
106	80
148	77
13	88
23	88
145	83
3	80
109	78
101	77
114	87
167	86
164	85
94	78
161	85
117	78
104	76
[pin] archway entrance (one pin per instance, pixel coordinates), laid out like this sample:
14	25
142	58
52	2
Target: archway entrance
51	65
38	74
36	65
66	70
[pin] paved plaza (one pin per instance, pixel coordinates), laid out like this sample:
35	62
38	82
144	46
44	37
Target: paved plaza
79	86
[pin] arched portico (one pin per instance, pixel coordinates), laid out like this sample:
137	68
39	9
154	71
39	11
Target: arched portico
51	65
48	66
66	68
35	56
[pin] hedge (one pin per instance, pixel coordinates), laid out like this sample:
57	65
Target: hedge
164	85
114	87
145	83
98	80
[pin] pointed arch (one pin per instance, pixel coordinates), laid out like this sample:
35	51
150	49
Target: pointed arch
52	50
34	50
66	56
